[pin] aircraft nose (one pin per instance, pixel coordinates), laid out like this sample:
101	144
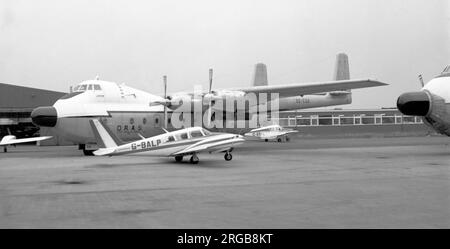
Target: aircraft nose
414	103
44	116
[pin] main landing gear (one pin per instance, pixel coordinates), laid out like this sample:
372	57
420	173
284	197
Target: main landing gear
228	156
88	152
5	149
194	159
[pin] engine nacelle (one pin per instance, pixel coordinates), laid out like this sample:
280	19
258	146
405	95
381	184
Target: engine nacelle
430	106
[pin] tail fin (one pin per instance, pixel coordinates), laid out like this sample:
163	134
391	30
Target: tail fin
260	76
341	70
104	136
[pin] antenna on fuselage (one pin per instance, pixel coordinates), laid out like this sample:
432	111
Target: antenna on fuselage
97	77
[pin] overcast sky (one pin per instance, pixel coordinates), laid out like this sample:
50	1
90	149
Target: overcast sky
55	44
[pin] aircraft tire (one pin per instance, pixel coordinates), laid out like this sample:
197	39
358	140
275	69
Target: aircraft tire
5	149
287	139
279	140
266	140
178	158
194	159
88	152
228	156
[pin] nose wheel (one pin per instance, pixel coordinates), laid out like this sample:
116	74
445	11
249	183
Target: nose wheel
228	156
179	158
194	159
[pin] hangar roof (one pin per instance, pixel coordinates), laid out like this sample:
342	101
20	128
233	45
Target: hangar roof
15	98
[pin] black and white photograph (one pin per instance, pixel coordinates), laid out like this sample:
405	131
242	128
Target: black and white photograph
213	114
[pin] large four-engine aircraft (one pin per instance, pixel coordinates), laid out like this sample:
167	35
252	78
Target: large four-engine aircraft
185	142
432	102
129	111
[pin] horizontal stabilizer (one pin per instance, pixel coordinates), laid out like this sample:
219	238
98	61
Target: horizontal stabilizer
104	151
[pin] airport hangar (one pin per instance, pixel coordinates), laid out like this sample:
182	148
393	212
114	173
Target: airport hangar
17	102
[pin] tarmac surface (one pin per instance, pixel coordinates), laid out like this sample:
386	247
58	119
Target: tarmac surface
399	182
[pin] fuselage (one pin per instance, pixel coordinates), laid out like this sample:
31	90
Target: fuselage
191	140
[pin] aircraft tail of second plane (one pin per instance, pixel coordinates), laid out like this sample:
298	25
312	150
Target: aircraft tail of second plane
104	136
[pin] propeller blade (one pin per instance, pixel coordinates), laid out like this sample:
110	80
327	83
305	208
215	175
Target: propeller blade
210	79
421	80
165	97
210	101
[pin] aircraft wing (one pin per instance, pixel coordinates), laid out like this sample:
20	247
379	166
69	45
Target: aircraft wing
312	88
24	140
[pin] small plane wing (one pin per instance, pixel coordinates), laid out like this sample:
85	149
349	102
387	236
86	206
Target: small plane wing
8	140
312	88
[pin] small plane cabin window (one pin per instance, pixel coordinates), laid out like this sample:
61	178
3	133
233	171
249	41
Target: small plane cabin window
197	133
97	87
184	136
170	139
90	87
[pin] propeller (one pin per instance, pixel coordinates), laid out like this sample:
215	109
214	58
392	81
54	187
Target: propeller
421	80
165	97
210	97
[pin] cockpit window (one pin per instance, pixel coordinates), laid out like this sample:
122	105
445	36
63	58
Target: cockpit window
80	88
196	133
97	87
90	87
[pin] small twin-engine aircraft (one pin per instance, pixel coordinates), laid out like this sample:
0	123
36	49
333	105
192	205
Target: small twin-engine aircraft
185	142
12	140
271	132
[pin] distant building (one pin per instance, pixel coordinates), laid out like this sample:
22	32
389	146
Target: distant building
347	122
